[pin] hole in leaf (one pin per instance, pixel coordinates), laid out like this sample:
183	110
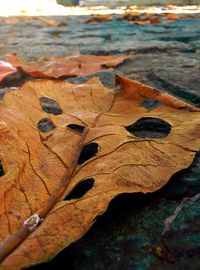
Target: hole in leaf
45	125
80	189
76	128
150	103
88	151
50	106
2	172
150	127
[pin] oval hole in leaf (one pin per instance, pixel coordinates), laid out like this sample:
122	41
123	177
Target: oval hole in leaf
149	127
50	106
2	172
76	128
88	151
80	189
45	125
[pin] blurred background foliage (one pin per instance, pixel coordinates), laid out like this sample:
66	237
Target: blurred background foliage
68	2
133	2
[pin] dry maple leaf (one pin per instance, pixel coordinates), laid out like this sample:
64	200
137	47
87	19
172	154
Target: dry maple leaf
58	137
6	69
57	66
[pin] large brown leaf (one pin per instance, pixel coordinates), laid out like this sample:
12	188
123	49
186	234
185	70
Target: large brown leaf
57	66
92	140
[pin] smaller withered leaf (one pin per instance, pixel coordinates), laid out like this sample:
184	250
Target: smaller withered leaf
68	66
67	150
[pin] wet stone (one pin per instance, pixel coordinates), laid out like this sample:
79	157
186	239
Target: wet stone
106	77
109	37
149	127
150	104
45	125
50	106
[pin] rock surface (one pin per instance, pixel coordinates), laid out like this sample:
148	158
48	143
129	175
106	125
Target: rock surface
140	232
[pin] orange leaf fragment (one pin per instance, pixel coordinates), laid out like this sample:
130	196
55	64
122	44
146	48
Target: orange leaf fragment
150	20
57	136
58	66
49	22
172	17
131	15
6	69
99	18
142	19
18	19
